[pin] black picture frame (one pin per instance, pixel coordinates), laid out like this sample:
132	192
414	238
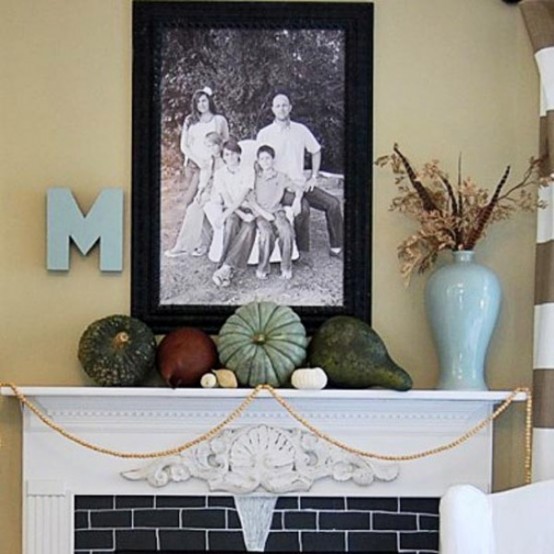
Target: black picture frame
151	19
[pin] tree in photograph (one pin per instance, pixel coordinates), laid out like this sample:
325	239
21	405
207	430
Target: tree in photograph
245	68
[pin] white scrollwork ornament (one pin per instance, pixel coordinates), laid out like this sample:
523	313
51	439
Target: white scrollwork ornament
264	457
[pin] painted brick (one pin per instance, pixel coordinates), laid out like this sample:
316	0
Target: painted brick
138	539
81	520
422	540
372	542
277	520
322	503
294	524
300	520
373	504
93	539
225	540
221	502
428	523
184	540
283	542
398	522
94	502
156	518
287	503
180	501
203	519
233	520
420	505
344	520
110	519
323	542
134	502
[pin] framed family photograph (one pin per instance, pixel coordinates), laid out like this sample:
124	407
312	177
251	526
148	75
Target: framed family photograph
252	149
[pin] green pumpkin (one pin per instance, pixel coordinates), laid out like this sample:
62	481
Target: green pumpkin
263	343
117	350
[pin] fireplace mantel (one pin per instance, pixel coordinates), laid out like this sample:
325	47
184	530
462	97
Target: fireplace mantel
151	419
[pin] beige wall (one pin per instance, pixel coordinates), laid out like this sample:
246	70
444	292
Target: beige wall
450	76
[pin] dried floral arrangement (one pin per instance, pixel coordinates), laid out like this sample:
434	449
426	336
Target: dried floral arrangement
452	216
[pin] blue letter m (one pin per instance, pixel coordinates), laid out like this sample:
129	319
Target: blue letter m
103	222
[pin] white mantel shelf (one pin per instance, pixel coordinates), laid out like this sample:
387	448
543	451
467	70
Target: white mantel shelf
139	420
326	394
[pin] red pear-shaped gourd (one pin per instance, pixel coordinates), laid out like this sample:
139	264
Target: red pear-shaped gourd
184	355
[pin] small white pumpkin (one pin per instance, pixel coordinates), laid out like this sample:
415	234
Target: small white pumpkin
309	378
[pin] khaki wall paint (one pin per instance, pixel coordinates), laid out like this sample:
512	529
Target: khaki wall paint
450	76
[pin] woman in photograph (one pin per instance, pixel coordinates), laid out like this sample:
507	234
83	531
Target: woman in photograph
232	183
202	119
195	233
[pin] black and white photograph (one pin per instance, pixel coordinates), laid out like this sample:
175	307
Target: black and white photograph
251	199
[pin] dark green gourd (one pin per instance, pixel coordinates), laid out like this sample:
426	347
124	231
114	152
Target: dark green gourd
117	350
354	356
263	343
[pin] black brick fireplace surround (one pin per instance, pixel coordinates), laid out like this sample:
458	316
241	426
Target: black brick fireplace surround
171	524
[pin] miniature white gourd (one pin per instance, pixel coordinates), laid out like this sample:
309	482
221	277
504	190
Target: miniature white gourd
309	378
222	378
208	380
226	378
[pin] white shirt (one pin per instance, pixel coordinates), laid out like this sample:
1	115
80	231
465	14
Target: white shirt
230	188
196	138
290	141
195	135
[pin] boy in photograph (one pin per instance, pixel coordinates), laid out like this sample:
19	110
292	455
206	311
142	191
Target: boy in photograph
231	185
272	222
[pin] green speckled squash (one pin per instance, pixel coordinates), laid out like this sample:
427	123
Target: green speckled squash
117	351
354	356
263	343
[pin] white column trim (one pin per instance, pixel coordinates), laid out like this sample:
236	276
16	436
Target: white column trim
48	526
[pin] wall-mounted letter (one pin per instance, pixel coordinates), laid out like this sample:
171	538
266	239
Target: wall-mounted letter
103	222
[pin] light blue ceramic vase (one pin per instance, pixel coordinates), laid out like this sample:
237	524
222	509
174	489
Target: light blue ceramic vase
462	301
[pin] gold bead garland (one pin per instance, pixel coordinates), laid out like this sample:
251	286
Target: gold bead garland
237	412
137	455
432	451
528	460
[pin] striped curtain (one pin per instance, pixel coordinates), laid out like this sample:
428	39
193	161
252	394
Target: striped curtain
539	19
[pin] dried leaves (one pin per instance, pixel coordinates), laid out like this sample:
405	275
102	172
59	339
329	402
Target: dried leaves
451	217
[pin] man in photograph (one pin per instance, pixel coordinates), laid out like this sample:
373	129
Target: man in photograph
291	140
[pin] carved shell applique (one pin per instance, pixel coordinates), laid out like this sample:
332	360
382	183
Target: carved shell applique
262	448
274	459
